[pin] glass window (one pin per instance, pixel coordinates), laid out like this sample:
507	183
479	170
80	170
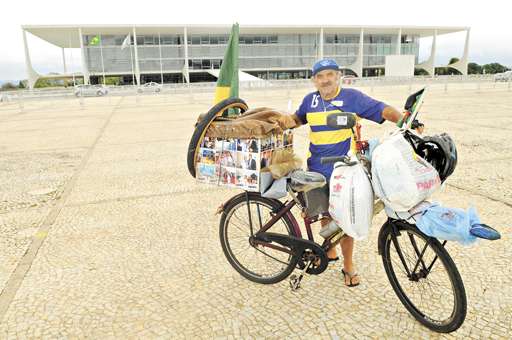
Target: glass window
273	39
205	40
140	40
196	40
149	40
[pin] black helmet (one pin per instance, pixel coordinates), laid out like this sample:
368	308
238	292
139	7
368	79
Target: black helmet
440	151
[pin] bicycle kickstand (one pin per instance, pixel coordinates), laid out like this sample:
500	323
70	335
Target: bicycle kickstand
295	280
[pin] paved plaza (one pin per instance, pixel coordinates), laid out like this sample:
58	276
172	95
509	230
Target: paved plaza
104	234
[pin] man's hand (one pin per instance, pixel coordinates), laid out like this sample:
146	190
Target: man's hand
297	121
419	127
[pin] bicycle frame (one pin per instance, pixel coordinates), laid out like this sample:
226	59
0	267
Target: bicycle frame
286	210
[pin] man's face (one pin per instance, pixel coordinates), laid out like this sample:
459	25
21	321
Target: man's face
327	82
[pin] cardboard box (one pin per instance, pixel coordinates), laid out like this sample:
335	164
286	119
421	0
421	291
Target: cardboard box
237	163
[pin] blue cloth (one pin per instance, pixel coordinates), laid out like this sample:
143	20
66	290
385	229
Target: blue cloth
450	224
325	64
326	141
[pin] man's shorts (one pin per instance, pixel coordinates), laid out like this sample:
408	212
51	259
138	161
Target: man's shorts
317	201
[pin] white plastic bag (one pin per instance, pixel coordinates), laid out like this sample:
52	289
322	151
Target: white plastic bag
351	200
412	215
400	177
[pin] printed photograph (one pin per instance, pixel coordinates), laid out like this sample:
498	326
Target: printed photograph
207	173
265	159
227	159
228	176
288	138
251	161
208	143
266	143
206	156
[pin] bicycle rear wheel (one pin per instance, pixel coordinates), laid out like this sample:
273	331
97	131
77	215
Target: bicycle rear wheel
424	277
255	262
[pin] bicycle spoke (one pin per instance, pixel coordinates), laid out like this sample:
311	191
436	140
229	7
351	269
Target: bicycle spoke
429	289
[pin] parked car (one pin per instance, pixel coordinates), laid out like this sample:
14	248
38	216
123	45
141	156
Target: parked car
505	76
150	87
90	90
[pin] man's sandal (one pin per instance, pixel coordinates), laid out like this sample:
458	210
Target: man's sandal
350	276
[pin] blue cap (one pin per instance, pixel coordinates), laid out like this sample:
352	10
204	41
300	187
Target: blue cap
325	64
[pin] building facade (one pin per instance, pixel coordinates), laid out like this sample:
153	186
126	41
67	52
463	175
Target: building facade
192	53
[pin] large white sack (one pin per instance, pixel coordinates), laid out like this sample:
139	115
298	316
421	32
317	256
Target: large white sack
400	177
351	200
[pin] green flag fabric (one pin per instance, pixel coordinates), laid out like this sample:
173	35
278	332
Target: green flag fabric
227	83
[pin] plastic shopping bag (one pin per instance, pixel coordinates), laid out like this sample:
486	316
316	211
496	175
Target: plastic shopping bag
450	224
351	200
410	216
401	178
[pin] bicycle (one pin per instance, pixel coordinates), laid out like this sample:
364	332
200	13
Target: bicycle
415	263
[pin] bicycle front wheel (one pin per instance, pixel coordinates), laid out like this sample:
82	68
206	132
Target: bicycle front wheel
255	262
424	277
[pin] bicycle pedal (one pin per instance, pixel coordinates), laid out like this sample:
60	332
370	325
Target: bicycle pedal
295	282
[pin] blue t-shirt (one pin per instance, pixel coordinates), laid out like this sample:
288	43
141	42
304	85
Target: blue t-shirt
326	141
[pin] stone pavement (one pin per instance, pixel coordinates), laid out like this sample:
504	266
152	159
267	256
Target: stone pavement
104	234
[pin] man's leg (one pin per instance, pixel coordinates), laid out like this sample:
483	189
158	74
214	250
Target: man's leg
331	253
347	249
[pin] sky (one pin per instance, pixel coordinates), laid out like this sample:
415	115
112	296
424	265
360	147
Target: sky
490	22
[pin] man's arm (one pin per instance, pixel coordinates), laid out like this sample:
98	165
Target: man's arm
297	120
391	114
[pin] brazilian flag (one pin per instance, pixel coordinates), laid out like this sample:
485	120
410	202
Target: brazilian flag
94	41
227	83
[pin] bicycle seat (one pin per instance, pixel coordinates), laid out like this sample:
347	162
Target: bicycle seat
301	180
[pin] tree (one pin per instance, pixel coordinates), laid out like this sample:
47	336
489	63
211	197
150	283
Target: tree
474	68
8	87
420	72
494	68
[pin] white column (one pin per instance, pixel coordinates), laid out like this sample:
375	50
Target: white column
32	75
185	52
357	66
429	64
462	64
64	61
137	70
160	51
102	63
85	69
361	52
321	44
71	57
399	42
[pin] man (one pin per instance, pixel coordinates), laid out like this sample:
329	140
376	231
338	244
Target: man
251	163
326	141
